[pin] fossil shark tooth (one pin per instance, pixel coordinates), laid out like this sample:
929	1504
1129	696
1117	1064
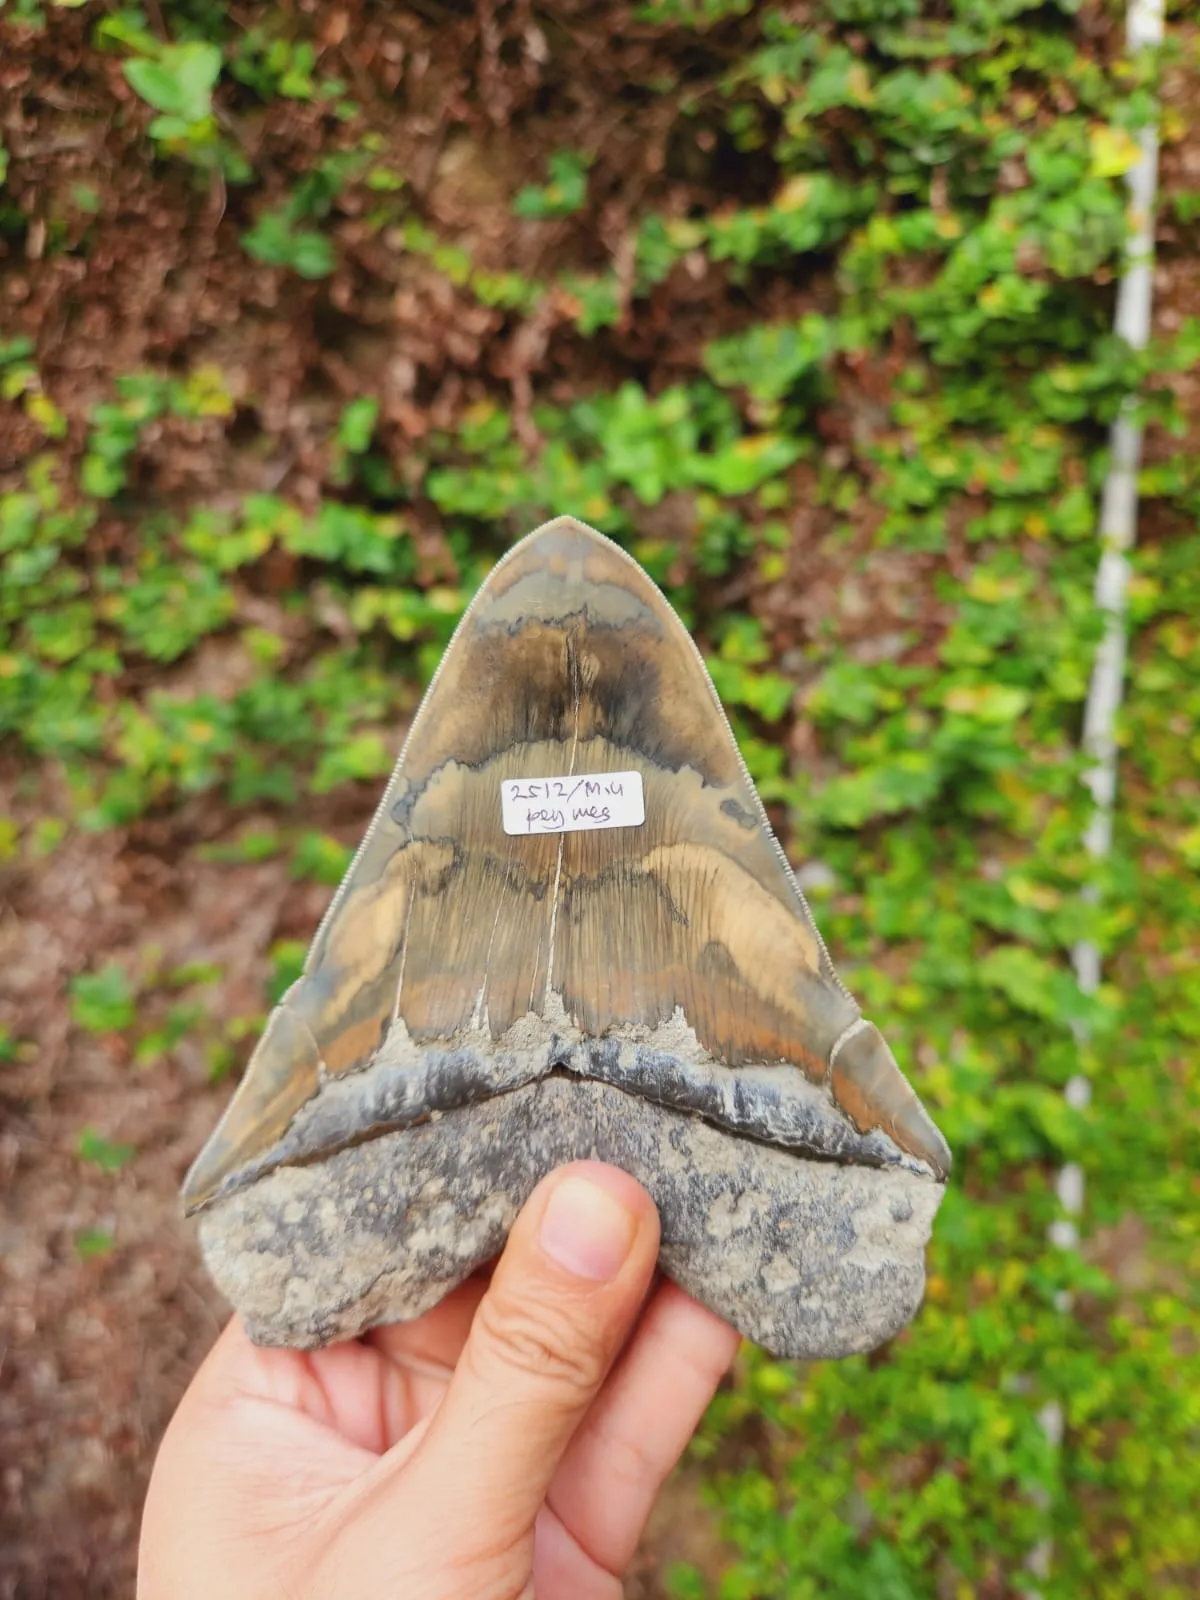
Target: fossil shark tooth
569	931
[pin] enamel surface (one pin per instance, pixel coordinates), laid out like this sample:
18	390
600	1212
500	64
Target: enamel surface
569	661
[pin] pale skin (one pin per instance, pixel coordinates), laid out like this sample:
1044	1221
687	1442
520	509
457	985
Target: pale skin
510	1443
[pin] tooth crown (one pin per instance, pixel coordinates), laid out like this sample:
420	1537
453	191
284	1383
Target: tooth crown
447	929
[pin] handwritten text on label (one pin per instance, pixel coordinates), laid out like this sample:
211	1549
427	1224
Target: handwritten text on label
566	805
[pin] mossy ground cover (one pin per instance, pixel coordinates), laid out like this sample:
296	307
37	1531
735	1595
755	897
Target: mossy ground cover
308	313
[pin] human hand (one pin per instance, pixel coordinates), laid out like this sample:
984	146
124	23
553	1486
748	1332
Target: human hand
503	1445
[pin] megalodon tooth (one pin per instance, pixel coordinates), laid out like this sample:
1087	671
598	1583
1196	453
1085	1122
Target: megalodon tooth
570	932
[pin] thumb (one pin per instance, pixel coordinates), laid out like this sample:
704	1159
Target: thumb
565	1293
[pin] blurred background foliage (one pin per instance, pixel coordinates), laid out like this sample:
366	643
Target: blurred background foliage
310	311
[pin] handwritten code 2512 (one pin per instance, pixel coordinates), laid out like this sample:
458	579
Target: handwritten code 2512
568	805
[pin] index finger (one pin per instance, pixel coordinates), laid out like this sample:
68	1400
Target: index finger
639	1426
432	1343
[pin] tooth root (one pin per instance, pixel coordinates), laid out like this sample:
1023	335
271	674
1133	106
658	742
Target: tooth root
874	1093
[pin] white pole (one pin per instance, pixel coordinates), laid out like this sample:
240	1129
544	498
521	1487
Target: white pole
1118	530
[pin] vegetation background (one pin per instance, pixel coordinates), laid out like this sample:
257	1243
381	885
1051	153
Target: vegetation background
309	310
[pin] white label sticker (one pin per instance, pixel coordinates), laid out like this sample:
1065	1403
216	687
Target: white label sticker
567	805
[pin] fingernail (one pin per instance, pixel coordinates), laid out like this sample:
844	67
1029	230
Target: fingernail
586	1230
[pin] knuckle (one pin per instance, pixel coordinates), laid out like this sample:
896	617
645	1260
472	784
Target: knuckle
540	1342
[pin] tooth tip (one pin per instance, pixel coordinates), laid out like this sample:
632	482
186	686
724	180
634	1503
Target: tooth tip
200	1185
563	541
936	1152
870	1087
281	1076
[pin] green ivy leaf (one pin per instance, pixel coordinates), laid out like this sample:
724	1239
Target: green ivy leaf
287	964
565	193
320	858
93	1244
93	1147
275	240
357	424
102	1002
180	81
1035	985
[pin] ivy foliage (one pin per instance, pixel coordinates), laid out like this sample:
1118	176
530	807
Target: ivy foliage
907	383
